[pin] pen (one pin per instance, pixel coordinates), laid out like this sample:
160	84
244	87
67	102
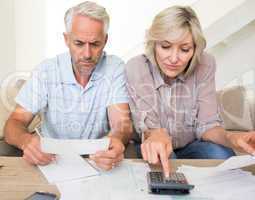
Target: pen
40	135
37	131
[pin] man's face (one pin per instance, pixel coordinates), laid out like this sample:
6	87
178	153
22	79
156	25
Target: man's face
86	42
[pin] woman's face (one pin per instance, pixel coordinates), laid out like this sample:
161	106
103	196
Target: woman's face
173	57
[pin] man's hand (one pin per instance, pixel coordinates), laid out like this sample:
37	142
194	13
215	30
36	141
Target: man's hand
243	142
157	147
110	158
32	152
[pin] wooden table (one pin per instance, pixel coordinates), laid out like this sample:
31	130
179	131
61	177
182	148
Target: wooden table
19	179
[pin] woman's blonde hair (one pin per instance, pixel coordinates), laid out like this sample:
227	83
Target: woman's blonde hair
174	19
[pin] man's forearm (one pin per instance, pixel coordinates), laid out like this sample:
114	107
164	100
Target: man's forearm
16	133
123	133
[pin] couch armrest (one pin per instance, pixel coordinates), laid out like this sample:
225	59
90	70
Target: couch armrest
235	109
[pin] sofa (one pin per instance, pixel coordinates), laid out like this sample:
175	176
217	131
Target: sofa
236	106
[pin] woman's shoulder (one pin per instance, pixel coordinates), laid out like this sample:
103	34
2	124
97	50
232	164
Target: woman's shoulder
137	68
206	59
136	61
206	65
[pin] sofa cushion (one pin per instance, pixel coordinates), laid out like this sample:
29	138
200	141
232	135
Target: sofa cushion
7	104
8	93
235	109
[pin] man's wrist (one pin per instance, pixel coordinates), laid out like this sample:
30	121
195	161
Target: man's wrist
116	136
24	140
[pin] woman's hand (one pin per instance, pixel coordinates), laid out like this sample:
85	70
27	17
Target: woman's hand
243	142
157	148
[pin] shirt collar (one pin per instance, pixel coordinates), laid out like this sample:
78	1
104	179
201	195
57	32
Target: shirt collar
66	69
158	79
98	71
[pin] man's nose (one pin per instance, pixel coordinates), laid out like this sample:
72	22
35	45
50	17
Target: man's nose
87	52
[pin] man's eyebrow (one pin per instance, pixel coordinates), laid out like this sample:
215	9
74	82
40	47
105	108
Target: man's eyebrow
78	41
92	42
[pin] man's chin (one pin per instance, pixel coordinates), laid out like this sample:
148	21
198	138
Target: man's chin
86	69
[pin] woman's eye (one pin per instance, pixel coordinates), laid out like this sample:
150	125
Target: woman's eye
165	46
185	50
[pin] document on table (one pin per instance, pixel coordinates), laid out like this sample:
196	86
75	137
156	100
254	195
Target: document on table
234	162
126	182
210	181
73	146
68	167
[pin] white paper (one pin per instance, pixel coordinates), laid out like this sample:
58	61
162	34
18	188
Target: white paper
125	182
66	168
223	182
73	146
236	162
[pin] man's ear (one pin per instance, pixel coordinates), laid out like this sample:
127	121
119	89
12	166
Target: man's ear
66	37
106	39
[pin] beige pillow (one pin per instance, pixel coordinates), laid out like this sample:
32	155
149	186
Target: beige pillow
235	109
7	103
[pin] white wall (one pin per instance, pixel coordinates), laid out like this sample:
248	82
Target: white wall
209	11
129	20
7	38
235	58
30	33
31	30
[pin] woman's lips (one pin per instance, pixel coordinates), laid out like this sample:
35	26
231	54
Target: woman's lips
171	67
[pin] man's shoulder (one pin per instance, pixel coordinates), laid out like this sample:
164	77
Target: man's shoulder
112	61
53	62
111	65
51	66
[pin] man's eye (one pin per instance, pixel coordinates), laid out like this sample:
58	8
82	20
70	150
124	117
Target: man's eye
95	44
79	44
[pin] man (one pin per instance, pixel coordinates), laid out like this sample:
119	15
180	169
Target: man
81	94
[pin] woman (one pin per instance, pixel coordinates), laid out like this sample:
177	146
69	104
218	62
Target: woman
173	96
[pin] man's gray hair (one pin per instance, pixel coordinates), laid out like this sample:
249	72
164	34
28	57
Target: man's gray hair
89	9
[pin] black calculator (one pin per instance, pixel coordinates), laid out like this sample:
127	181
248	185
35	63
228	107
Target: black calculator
176	184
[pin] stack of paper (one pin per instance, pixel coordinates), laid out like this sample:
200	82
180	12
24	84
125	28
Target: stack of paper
223	182
127	182
69	165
